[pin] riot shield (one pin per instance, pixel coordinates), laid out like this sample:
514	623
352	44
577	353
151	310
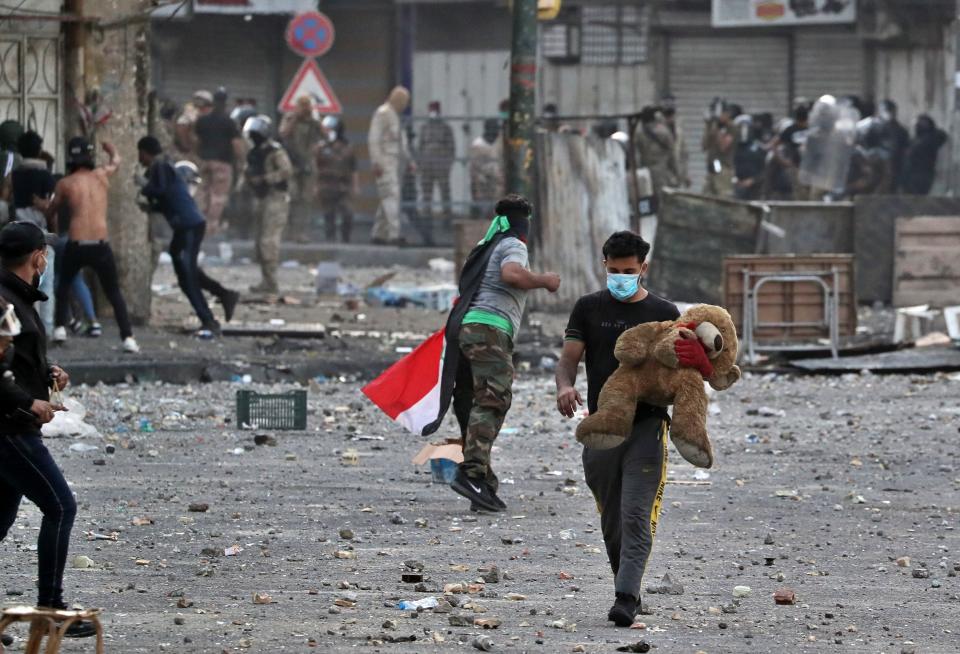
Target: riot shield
829	146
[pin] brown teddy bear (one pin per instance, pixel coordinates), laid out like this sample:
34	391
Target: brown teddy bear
650	372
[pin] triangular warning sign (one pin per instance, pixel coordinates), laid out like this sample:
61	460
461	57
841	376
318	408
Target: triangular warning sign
310	81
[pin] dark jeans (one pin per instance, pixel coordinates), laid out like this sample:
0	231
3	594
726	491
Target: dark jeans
627	483
99	257
29	471
184	250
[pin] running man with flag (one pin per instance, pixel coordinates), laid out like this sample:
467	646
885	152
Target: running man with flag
474	367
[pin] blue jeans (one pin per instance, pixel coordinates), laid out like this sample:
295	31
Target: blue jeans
79	288
45	309
184	251
29	471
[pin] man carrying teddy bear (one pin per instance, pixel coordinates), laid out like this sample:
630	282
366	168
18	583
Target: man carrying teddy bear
627	481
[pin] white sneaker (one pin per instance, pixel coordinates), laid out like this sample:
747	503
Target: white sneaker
59	334
130	345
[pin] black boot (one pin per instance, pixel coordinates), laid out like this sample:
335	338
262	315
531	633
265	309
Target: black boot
623	611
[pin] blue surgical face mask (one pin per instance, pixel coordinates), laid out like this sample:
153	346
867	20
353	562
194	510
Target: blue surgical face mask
623	287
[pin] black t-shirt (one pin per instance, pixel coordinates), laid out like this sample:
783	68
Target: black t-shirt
215	135
598	320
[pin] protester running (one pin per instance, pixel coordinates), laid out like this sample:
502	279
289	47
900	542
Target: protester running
480	334
168	194
28	469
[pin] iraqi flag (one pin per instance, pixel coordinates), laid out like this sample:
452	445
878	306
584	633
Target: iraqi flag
409	390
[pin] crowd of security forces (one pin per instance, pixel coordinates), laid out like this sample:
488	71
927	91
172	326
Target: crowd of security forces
830	149
266	179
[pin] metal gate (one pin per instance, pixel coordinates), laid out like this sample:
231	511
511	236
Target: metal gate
30	75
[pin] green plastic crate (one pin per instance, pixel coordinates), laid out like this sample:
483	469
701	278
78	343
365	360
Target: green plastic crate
272	411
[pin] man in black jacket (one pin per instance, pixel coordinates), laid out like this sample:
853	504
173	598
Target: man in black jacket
28	468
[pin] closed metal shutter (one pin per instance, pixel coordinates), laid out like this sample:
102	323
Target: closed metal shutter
751	71
211	51
828	63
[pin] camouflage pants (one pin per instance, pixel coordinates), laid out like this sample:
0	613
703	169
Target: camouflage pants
301	207
272	213
214	192
719	184
482	396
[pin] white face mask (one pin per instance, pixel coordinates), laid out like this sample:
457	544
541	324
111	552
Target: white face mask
331	136
434	114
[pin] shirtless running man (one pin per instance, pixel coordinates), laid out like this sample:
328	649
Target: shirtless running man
84	193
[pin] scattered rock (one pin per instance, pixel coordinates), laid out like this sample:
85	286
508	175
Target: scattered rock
487	623
785	596
198	507
667	586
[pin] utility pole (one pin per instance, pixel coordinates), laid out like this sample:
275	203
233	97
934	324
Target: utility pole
523	84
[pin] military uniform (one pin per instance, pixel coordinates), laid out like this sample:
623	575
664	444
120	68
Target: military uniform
719	180
681	154
388	150
269	172
656	151
437	151
336	164
300	136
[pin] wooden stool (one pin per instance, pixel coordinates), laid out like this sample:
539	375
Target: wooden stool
51	624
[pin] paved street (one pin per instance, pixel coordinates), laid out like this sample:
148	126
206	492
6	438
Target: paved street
855	472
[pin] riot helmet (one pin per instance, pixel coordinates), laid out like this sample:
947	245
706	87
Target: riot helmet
257	128
189	173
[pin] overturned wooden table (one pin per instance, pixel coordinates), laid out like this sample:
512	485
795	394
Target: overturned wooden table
50	624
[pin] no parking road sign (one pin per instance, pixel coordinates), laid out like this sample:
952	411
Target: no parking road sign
310	34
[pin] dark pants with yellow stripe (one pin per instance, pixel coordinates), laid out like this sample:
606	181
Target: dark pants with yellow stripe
627	483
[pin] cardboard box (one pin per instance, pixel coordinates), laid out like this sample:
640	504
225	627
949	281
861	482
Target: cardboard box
450	449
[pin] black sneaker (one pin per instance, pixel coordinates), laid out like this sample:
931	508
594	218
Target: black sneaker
476	508
624	610
475	490
209	331
79	629
7	640
496	499
229	302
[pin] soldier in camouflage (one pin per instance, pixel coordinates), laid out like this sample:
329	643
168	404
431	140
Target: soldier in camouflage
337	178
300	133
268	175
